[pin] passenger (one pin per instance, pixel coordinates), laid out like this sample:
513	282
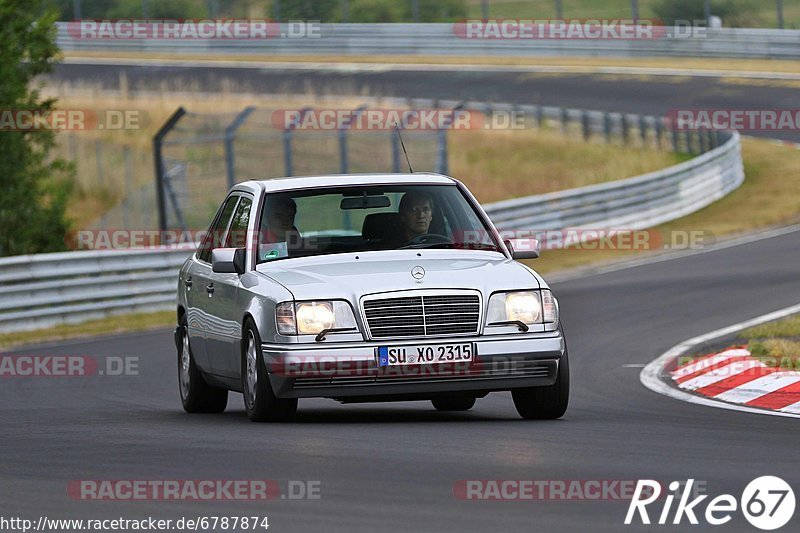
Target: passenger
278	222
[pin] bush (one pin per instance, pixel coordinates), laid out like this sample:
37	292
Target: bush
34	190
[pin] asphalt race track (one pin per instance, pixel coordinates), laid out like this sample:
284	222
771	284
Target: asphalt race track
654	95
392	467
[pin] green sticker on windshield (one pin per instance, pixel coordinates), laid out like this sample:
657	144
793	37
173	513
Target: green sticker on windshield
272	254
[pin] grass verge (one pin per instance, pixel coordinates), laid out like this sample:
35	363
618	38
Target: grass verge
776	343
103	326
569	64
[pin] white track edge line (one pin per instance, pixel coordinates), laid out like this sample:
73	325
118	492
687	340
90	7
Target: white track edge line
650	375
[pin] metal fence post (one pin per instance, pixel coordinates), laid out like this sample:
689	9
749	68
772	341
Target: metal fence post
659	133
287	151
607	126
441	148
98	161
643	129
587	131
564	120
158	158
230	132
395	153
287	143
343	160
539	116
626	128
126	155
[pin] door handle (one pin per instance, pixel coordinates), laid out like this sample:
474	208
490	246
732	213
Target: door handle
210	289
189	282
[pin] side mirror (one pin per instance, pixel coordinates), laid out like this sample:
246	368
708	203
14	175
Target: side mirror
228	260
523	248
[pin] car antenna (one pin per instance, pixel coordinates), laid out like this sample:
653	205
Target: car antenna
408	162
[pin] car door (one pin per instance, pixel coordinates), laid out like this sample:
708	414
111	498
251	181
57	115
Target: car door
225	333
198	278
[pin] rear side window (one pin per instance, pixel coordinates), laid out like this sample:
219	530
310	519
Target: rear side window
216	233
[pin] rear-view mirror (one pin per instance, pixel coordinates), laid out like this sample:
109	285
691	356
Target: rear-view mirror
365	202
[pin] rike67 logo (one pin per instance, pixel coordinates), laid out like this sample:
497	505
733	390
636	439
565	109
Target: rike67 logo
767	503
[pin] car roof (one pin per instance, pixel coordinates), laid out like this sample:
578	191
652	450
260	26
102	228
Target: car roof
337	180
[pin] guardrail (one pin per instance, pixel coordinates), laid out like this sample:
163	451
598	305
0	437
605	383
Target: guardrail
44	290
441	39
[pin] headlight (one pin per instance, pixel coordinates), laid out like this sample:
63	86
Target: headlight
313	317
310	318
528	307
523	306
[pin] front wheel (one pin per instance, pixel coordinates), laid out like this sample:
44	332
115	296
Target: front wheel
197	396
260	401
545	403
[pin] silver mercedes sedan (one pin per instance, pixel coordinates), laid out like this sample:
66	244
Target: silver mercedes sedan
364	288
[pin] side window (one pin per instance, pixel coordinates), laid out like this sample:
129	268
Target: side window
237	236
213	239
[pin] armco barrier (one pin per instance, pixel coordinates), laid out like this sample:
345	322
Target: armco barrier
44	290
441	39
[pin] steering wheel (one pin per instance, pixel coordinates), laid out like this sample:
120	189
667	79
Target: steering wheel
427	238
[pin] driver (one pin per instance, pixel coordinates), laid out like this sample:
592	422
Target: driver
416	214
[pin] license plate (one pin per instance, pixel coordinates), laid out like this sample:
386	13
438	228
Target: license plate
424	355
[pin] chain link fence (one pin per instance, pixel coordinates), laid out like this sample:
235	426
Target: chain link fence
202	155
197	157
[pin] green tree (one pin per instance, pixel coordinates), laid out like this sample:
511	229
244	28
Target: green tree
33	188
134	9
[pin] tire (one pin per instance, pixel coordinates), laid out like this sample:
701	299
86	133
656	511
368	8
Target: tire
545	403
453	403
260	401
197	396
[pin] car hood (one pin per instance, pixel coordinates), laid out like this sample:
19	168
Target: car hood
351	276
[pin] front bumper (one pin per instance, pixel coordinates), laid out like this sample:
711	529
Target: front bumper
350	370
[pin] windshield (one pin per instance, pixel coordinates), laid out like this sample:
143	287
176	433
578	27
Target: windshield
357	219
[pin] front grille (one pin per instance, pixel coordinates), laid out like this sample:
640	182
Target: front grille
423	316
